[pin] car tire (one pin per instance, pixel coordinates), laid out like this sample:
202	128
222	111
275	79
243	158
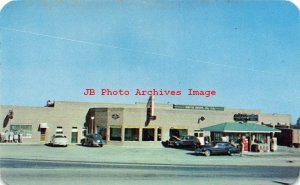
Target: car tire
229	152
101	145
207	153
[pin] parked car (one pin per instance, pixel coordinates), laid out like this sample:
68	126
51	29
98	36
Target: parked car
59	140
92	140
182	142
170	142
217	148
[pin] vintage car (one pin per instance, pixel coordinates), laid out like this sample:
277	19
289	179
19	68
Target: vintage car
182	142
92	140
217	148
59	140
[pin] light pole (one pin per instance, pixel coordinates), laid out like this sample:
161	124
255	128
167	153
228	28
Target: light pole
92	130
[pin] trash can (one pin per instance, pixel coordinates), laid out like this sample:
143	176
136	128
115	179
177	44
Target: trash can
274	144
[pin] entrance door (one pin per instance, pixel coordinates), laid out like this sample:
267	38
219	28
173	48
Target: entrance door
74	135
43	134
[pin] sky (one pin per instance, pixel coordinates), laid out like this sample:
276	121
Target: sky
248	52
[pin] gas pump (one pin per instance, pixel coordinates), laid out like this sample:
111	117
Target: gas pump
245	143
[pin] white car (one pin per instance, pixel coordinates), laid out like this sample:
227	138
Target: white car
59	140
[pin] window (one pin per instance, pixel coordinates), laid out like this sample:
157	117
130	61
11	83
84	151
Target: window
84	131
115	134
178	132
74	135
260	138
59	130
234	137
148	134
25	130
159	134
217	136
131	134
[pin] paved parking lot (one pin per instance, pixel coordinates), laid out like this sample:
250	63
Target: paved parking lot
142	165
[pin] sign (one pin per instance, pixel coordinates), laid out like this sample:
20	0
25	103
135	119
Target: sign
150	111
115	116
197	107
245	117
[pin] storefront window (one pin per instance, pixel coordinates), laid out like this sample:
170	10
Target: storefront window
217	136
25	130
131	134
148	134
234	137
115	134
260	138
178	132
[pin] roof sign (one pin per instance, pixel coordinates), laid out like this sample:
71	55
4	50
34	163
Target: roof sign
197	107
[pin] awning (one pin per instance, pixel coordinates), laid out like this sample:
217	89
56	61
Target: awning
44	125
238	127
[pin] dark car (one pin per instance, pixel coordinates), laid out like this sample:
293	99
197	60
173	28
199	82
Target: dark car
171	141
92	140
217	148
182	142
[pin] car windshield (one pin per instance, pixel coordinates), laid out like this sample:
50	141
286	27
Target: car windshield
187	137
174	138
211	144
220	145
96	136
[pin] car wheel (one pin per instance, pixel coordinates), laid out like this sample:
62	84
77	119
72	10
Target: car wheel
101	145
229	152
207	153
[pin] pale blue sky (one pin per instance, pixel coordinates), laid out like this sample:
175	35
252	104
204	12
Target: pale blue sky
247	51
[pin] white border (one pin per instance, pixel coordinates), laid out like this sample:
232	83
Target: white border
3	3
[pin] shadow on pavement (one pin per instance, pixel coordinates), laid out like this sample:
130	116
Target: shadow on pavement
50	145
164	144
283	183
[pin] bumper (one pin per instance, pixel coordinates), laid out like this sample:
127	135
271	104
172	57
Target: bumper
60	143
199	151
98	144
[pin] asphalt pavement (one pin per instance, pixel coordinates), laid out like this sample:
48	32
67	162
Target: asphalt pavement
40	164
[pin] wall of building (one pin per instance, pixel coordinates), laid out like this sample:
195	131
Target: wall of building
275	119
76	114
